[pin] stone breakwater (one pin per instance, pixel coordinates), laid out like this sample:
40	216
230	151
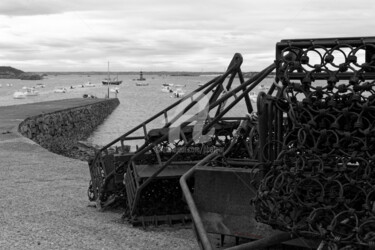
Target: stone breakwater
60	131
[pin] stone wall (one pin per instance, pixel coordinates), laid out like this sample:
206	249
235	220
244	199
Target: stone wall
60	131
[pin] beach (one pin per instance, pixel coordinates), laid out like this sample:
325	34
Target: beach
44	201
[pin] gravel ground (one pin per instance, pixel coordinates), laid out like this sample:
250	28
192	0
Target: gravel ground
43	204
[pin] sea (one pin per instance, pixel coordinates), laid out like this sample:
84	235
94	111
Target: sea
137	103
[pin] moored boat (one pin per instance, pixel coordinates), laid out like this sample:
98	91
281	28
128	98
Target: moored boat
113	81
141	84
19	95
114	90
31	92
167	89
89	84
253	97
40	85
60	90
178	93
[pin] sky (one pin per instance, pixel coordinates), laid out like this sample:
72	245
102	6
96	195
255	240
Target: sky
167	35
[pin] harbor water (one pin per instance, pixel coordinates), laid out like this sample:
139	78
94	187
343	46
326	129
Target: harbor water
137	103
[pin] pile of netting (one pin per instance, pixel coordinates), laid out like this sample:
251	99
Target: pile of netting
322	183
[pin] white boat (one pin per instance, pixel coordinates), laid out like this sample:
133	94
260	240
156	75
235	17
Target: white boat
60	90
253	97
89	84
40	85
31	92
167	89
114	90
141	84
19	95
77	86
178	93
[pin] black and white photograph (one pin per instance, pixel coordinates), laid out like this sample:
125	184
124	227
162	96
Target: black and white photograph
211	125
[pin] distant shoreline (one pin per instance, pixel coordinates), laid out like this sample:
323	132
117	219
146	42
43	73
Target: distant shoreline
160	73
166	73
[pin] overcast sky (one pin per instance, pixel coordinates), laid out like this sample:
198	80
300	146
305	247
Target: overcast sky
167	35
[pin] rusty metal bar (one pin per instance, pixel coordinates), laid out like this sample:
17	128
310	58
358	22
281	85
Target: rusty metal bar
247	99
256	78
259	78
265	242
232	67
133	138
201	231
303	43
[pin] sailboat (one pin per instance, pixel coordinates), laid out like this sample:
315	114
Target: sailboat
109	81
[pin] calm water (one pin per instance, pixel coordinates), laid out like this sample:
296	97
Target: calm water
137	103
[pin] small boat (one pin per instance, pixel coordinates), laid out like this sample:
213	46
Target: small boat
60	90
168	84
141	84
253	97
89	84
167	89
178	93
89	96
31	92
19	95
40	85
77	86
109	81
114	90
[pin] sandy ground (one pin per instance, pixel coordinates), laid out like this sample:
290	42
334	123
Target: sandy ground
44	205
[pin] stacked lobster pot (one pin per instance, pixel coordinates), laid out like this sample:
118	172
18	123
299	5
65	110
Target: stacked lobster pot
320	160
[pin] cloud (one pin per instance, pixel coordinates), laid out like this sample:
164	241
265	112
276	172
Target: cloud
167	34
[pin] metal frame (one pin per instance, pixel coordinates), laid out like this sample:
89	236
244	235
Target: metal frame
271	116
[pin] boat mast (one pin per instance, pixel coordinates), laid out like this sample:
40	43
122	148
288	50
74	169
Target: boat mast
108	72
109	79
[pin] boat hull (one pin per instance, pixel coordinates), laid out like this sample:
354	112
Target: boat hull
111	82
141	84
19	95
